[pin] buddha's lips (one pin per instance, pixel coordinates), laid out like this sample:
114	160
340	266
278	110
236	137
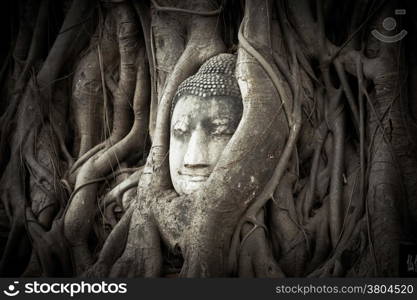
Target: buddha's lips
194	177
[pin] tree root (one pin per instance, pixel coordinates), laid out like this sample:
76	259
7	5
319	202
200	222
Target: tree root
79	210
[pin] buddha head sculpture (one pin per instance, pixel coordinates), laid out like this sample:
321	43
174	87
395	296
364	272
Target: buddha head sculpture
206	111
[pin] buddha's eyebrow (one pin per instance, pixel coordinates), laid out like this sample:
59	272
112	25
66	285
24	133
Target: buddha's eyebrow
182	120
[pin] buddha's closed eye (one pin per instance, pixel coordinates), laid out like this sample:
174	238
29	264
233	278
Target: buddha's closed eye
222	127
180	128
216	127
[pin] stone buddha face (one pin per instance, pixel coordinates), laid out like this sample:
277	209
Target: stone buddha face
201	127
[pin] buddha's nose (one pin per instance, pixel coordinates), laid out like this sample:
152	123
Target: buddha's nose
197	154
